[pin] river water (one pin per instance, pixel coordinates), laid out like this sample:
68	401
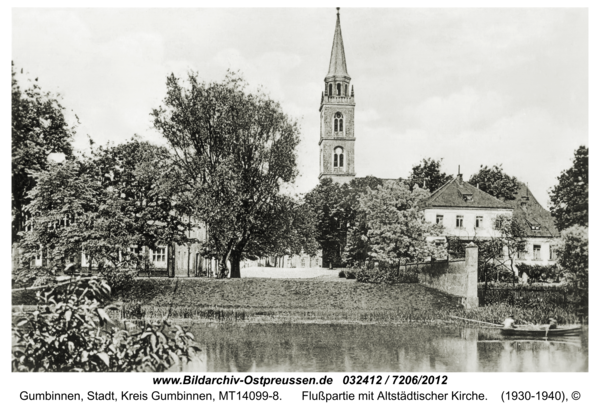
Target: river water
377	348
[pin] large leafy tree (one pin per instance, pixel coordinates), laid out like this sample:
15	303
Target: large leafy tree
39	128
573	255
427	174
339	222
104	205
332	215
397	229
357	248
569	197
235	150
494	181
158	208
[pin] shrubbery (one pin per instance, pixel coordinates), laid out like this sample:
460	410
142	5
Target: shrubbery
384	276
540	273
348	273
70	331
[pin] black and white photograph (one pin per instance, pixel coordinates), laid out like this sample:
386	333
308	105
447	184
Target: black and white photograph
387	197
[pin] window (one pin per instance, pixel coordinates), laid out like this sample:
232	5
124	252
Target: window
330	89
338	157
537	252
459	221
339	89
338	122
159	255
439	219
553	252
478	221
522	255
346	90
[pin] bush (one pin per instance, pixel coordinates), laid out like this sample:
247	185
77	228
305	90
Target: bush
350	274
27	277
540	273
121	280
342	274
385	276
70	331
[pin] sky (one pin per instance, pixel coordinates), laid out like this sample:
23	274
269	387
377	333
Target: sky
472	86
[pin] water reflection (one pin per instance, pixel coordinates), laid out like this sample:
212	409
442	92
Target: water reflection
363	348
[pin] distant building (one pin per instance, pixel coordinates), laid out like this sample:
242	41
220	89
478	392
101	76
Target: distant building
539	228
465	211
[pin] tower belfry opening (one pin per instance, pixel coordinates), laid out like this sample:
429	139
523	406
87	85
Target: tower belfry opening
337	138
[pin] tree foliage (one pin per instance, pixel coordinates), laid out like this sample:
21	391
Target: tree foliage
512	239
569	198
427	174
340	224
70	330
235	150
104	206
397	229
494	181
39	128
573	255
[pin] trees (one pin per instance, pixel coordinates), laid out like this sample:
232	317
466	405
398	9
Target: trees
69	332
157	208
104	206
569	197
234	151
340	223
512	239
427	174
397	228
495	182
573	255
39	128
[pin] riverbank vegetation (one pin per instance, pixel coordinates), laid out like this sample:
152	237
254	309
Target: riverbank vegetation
309	300
70	330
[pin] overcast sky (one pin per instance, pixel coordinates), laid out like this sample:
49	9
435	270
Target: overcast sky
471	86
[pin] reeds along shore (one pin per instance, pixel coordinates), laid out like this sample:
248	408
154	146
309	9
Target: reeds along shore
490	314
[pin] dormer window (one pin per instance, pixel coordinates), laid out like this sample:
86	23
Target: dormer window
468	197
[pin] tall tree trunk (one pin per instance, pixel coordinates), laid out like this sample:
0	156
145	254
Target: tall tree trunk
235	265
236	258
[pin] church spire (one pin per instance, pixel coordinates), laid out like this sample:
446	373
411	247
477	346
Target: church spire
337	63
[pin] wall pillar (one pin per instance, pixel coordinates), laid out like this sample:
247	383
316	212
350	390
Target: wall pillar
471	261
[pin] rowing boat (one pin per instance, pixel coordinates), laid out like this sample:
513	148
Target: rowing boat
529	331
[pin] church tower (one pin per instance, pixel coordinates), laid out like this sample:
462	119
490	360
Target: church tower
336	145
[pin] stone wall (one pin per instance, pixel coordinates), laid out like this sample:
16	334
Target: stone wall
457	277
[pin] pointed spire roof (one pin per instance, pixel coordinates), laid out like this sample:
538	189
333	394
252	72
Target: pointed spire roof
337	63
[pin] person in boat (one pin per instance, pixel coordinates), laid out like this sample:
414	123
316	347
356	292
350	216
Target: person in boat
509	322
552	324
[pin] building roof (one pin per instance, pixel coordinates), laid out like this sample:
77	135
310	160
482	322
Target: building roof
337	63
539	222
458	193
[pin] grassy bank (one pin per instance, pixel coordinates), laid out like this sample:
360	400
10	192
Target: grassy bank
303	300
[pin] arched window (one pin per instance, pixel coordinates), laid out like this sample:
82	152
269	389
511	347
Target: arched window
338	122
330	89
338	157
346	90
339	89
